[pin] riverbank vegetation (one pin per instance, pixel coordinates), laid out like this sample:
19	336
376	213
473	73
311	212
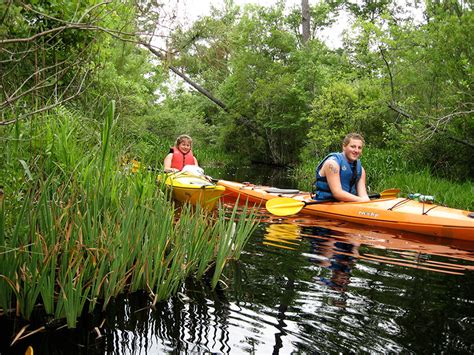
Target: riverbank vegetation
82	229
257	90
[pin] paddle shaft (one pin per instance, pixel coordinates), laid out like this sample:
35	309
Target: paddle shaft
285	206
315	202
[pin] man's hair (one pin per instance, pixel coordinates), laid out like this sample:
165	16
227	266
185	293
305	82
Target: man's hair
350	136
182	138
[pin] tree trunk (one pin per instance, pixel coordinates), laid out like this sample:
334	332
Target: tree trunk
305	20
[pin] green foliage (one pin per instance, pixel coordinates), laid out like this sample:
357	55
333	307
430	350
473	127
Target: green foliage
342	108
53	64
127	77
380	165
404	85
427	75
271	83
457	195
67	59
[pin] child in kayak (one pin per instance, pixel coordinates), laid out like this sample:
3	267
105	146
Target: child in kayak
180	155
340	176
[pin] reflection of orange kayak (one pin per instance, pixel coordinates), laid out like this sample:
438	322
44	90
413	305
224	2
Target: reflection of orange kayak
416	252
395	213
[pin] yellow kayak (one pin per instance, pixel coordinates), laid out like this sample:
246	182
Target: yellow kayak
195	189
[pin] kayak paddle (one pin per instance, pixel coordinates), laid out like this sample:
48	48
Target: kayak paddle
285	206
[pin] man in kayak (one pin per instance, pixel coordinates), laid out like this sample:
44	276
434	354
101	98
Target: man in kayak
340	176
180	155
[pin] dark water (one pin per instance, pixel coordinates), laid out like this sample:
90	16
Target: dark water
302	285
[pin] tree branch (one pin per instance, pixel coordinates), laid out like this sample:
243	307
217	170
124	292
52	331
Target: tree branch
437	125
440	123
392	89
39	85
242	119
30	8
46	108
5	13
127	37
393	106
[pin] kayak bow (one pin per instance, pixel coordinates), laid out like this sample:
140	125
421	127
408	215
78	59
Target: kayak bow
194	189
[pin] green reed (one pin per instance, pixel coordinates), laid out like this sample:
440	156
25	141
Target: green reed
234	234
211	156
386	170
83	231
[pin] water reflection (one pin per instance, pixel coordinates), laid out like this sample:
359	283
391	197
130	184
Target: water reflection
282	235
339	260
335	238
307	285
199	325
302	285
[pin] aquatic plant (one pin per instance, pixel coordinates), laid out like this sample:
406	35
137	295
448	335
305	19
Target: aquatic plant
79	235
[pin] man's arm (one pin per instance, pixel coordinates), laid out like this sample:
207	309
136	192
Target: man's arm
330	169
362	188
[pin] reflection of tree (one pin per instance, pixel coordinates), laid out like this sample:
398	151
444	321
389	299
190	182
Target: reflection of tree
438	313
268	282
183	324
282	308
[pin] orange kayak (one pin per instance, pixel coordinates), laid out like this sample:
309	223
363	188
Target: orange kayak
394	213
256	194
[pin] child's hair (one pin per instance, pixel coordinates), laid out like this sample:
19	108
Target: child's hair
350	136
182	138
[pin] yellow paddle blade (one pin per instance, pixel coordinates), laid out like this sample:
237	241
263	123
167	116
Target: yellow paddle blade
284	206
389	193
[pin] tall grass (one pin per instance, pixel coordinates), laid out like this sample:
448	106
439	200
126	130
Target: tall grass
82	231
446	192
234	236
385	169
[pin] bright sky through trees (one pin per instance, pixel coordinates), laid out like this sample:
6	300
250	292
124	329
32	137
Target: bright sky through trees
190	10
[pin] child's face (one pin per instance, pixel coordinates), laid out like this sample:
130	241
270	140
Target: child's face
184	146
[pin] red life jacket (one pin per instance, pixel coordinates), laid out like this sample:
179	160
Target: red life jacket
179	159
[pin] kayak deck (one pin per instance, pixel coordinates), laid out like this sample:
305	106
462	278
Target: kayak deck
394	213
258	194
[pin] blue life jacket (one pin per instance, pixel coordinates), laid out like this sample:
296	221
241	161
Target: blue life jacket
346	172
